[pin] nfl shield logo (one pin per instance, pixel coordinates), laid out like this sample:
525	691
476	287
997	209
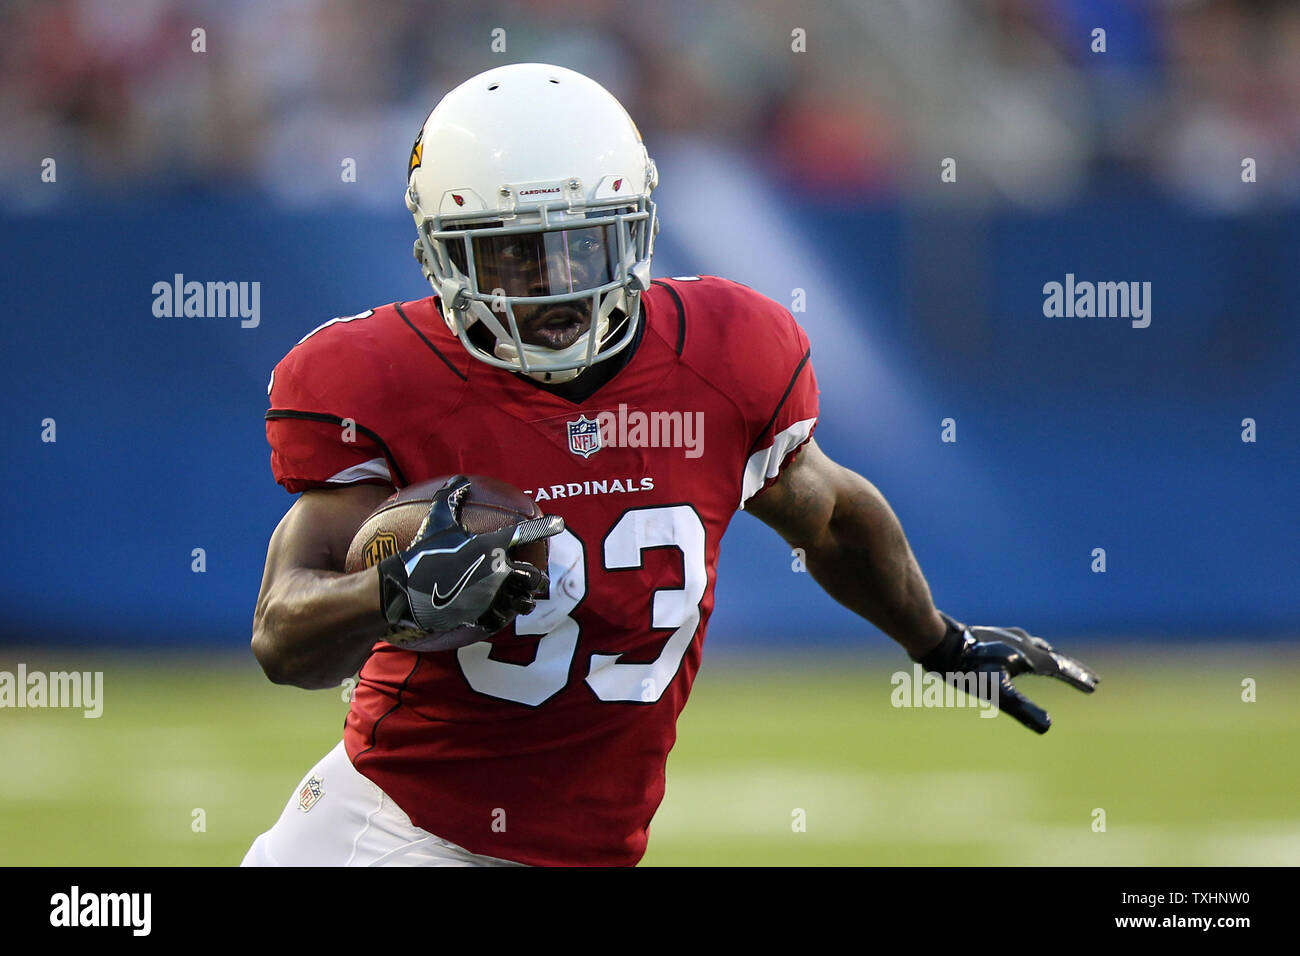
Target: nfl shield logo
311	791
382	545
584	436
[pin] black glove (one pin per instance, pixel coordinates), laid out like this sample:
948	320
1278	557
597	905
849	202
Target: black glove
1008	652
448	577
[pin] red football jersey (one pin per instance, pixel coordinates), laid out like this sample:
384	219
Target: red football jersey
549	747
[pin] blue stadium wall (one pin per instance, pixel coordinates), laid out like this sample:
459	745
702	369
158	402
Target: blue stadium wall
1072	434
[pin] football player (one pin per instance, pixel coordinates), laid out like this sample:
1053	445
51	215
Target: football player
531	192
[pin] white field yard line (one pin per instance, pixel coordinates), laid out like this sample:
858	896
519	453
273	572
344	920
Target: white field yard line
759	800
1222	843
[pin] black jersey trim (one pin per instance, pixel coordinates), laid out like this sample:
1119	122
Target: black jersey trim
781	404
436	350
374	728
276	413
681	314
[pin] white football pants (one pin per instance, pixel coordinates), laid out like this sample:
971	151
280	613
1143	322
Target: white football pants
351	822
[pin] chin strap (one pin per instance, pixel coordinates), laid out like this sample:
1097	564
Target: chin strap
538	354
539	357
420	257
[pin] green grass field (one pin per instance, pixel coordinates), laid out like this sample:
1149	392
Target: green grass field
1185	771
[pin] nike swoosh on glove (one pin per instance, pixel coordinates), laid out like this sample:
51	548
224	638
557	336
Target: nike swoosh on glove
449	577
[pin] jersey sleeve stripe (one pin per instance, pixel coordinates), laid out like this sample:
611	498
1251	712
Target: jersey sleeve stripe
766	464
366	471
342	318
275	413
446	361
781	404
681	314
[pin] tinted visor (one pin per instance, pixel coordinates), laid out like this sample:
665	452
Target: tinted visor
541	263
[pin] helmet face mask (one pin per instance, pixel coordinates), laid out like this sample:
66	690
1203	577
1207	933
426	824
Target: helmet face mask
583	271
555	271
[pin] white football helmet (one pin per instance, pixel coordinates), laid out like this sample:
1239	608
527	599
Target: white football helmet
530	187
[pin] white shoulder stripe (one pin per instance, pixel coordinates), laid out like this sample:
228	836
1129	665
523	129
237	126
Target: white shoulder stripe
766	464
374	468
342	318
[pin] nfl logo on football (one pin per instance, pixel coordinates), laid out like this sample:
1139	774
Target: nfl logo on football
584	436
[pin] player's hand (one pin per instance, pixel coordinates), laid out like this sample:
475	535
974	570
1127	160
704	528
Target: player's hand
1006	652
448	577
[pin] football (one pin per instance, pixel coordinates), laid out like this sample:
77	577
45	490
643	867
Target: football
489	505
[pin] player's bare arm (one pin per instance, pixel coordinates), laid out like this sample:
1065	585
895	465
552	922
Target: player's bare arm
314	625
855	548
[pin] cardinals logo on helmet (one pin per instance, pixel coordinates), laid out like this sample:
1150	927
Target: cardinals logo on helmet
417	154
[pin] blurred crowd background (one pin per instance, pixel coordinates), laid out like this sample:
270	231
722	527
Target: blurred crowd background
1010	87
